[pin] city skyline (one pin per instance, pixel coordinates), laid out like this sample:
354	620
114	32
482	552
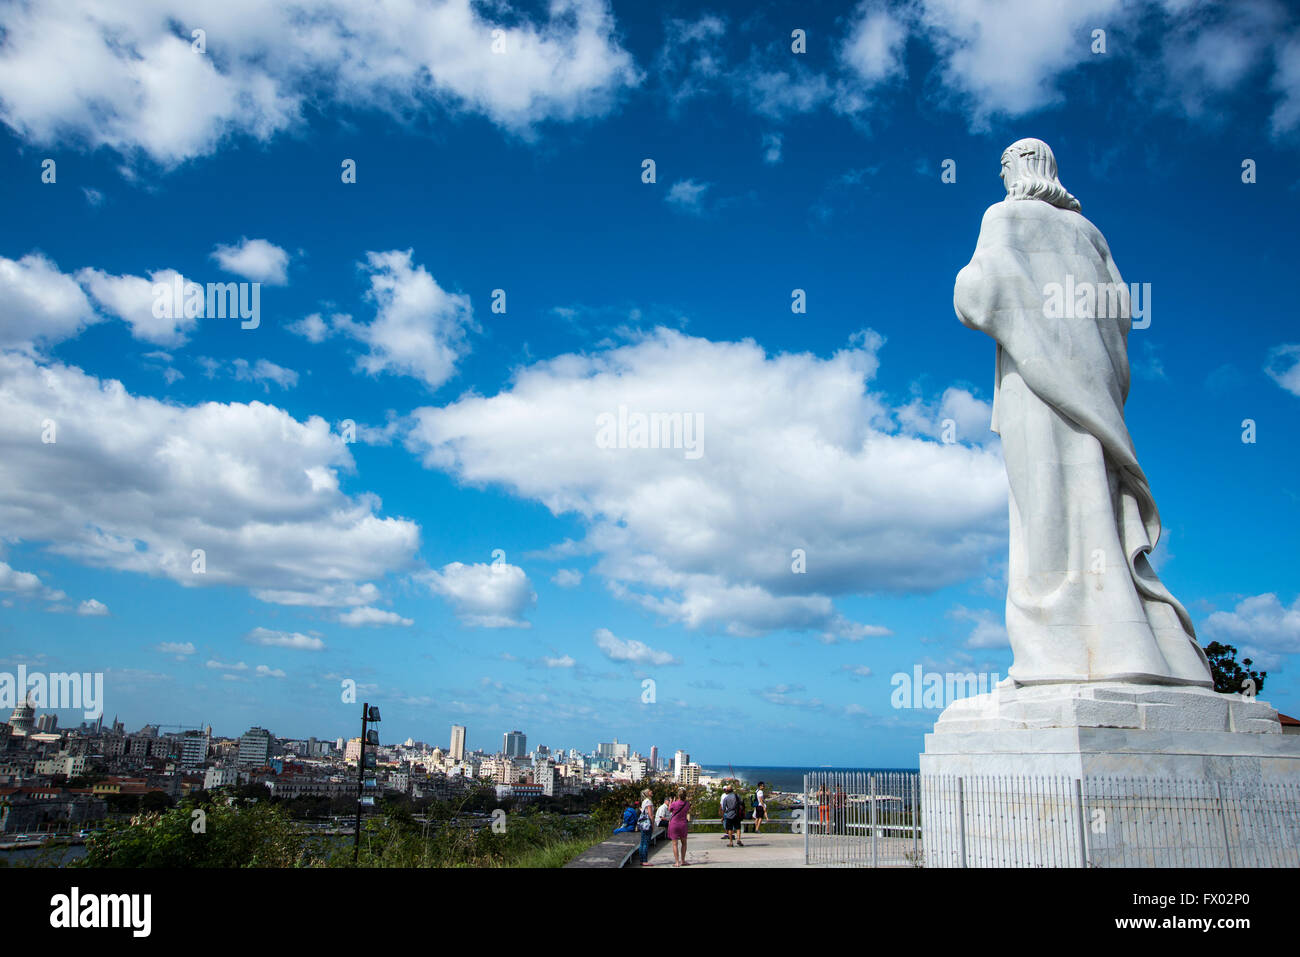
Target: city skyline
619	394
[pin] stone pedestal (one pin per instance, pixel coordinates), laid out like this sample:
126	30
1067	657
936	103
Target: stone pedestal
1110	775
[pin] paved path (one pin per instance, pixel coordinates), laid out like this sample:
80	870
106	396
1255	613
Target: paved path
769	849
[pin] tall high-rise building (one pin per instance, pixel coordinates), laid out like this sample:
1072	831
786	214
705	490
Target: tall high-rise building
515	744
544	774
654	757
194	748
613	751
680	760
47	722
254	748
458	742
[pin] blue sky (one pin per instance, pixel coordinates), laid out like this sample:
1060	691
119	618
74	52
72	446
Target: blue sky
522	171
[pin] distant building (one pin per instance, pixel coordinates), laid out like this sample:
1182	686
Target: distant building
69	765
34	809
194	748
23	717
654	757
680	760
515	744
220	778
254	748
47	722
612	751
458	742
544	775
690	775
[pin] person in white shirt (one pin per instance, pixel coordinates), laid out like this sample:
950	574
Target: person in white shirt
645	824
760	808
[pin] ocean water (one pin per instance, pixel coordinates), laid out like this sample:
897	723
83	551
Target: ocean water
781	779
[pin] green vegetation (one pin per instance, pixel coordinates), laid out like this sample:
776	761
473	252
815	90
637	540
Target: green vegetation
1230	677
245	827
214	835
203	832
449	837
704	802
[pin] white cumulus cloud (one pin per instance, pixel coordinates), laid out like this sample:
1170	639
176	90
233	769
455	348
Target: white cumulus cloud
419	329
483	595
39	304
138	484
296	640
127	76
367	616
798	454
256	260
629	649
1260	626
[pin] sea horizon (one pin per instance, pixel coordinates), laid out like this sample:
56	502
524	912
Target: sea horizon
786	778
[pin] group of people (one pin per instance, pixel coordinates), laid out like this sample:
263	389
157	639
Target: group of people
732	806
831	809
676	815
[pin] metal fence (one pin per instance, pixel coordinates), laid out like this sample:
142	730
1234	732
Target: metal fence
899	819
862	819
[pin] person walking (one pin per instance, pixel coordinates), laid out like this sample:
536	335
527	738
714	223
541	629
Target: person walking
645	823
760	808
679	822
730	807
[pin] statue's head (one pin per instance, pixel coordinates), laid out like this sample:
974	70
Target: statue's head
1029	172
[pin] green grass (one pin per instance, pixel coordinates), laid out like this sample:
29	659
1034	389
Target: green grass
554	854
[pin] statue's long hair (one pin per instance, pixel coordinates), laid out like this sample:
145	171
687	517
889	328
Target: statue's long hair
1033	175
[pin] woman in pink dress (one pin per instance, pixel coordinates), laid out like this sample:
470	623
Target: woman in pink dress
679	818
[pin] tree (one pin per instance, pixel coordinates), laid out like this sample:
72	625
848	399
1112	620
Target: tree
1230	677
251	793
259	835
156	801
609	810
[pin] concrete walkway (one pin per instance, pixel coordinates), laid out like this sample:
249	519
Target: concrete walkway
772	849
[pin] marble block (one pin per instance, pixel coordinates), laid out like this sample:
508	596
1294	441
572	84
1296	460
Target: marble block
1176	776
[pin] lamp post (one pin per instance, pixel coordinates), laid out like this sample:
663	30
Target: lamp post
369	715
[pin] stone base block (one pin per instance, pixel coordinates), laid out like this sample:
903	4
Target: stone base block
1010	707
1110	775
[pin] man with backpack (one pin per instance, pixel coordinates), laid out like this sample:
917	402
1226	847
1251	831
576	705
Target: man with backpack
732	814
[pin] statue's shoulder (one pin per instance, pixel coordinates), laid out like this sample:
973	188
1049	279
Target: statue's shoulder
1019	209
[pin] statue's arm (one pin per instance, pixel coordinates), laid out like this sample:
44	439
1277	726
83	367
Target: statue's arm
974	292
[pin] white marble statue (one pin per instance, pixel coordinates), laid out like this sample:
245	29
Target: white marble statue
1083	603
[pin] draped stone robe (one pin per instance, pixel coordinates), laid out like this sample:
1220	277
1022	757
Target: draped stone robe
1083	603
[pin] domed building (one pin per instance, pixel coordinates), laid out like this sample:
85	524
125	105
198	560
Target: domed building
23	717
